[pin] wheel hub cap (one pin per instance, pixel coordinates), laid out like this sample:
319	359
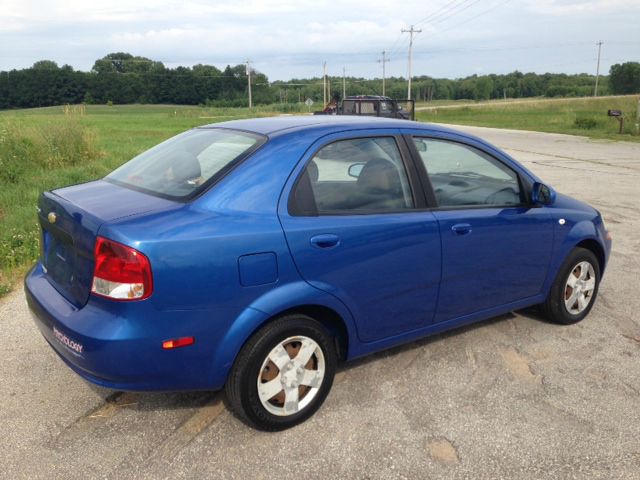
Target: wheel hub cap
579	288
291	376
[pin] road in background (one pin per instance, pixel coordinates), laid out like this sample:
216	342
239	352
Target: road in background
513	397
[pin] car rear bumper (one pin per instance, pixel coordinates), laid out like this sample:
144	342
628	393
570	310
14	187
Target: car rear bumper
119	345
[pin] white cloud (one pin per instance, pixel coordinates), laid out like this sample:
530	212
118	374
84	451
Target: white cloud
287	38
579	7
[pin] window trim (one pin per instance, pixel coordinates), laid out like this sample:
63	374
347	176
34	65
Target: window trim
303	182
429	191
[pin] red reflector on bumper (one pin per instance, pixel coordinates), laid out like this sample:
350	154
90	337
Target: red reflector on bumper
178	342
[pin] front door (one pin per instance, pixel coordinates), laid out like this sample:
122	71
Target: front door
496	247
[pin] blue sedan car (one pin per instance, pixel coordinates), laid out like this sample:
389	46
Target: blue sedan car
254	255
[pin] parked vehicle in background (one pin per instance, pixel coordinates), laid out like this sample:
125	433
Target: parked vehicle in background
254	255
371	106
378	106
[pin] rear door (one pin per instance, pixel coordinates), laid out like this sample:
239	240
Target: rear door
496	247
356	227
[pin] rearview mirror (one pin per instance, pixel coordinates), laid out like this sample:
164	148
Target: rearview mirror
542	194
356	169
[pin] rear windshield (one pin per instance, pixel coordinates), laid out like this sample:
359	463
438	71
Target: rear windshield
184	165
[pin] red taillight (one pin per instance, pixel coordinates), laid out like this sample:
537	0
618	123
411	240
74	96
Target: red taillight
121	272
178	342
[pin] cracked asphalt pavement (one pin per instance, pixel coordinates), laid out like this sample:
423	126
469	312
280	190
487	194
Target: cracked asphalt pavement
512	397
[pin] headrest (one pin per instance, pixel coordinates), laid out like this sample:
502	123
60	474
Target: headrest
379	175
187	168
312	171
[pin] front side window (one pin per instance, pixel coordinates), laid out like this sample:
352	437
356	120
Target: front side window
357	176
462	175
181	166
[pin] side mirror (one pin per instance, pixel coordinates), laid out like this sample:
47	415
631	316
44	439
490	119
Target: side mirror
542	194
355	170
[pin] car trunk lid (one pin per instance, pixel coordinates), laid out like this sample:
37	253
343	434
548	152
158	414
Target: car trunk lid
70	219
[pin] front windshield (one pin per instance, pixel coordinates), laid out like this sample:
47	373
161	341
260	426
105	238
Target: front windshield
182	165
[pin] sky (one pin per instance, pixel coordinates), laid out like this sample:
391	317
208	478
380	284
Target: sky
288	39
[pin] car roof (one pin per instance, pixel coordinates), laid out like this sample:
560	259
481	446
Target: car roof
271	125
366	97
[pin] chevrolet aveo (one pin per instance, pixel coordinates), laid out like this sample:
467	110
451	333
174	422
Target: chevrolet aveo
254	255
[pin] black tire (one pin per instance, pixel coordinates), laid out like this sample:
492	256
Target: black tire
554	308
242	385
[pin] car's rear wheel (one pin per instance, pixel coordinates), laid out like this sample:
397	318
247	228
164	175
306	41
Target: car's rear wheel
575	288
283	374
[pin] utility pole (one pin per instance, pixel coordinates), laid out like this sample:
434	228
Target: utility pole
324	84
384	61
344	83
595	91
249	81
411	31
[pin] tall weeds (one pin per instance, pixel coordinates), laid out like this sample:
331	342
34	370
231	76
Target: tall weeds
29	155
63	142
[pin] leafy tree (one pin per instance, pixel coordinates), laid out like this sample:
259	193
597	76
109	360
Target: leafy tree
45	65
484	88
625	78
121	77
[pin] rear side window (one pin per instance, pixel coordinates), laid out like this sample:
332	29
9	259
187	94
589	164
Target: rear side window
363	175
186	164
462	175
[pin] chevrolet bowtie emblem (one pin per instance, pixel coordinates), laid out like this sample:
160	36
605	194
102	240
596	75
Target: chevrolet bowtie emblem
52	217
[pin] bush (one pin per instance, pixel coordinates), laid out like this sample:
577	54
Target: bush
585	123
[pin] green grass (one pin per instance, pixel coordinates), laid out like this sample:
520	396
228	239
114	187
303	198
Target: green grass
45	148
580	116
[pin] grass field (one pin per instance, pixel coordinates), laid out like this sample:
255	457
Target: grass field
576	116
44	148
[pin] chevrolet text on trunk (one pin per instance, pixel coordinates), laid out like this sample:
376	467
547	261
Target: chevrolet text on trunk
254	255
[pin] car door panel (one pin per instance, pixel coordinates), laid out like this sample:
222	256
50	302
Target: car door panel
375	264
492	254
501	257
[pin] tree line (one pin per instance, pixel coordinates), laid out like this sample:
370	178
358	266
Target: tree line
122	78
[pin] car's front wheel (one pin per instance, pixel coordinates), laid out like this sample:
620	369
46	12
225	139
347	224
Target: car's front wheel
575	288
283	374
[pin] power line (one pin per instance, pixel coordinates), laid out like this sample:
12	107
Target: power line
397	49
464	22
500	49
454	13
393	45
447	7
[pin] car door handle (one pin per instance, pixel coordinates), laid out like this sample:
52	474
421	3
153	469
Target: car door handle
326	240
461	228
